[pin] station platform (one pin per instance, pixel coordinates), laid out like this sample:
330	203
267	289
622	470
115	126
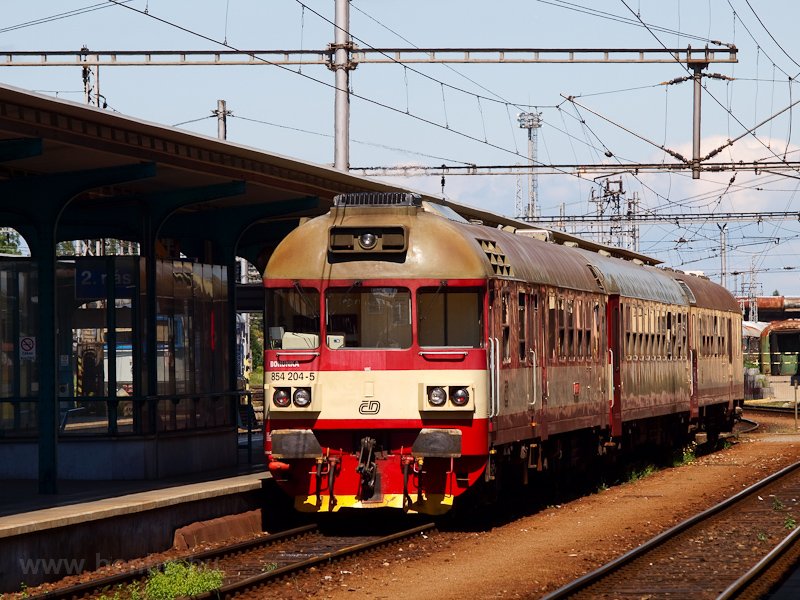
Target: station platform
91	523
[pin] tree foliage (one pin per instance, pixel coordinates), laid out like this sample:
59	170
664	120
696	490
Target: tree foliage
10	241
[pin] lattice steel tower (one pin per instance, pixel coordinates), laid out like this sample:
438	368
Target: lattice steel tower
532	122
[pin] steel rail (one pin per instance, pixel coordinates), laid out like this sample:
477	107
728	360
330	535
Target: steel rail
782	410
231	590
97	585
595	576
759	570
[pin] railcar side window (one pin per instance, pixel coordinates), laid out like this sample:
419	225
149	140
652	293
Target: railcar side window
449	317
359	317
505	302
522	324
552	347
293	318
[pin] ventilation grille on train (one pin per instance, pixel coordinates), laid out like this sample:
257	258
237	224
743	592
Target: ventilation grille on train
598	277
378	199
497	259
689	293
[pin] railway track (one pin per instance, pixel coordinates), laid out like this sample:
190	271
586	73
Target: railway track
784	410
714	551
248	566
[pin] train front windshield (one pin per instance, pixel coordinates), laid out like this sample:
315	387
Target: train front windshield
293	318
359	317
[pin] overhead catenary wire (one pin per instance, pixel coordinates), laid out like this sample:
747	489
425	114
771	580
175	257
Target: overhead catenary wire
366	44
324	83
356	141
60	16
711	95
622	19
587	142
769	33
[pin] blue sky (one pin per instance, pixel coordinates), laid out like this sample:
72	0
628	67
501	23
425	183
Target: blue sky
467	113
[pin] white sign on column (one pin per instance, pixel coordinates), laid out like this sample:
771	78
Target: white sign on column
27	347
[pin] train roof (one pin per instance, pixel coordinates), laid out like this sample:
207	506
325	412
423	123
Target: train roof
787	325
464	214
441	245
753	328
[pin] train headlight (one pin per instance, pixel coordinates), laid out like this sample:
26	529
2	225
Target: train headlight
280	398
301	397
437	396
459	396
368	241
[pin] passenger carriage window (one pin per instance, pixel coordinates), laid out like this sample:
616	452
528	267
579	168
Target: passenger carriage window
506	309
580	329
522	308
684	338
450	317
364	317
729	340
641	342
569	350
669	338
552	327
627	328
562	335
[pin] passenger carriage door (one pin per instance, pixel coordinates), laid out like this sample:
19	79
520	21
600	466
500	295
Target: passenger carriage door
533	354
693	379
613	363
498	350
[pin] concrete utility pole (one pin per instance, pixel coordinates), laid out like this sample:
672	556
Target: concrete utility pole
222	119
531	121
723	255
698	90
341	67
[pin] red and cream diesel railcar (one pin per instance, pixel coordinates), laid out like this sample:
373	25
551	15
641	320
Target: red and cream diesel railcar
410	356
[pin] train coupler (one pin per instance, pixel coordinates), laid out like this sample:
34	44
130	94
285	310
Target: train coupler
326	467
332	462
367	468
407	462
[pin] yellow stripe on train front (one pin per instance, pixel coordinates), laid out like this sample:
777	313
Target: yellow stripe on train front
432	504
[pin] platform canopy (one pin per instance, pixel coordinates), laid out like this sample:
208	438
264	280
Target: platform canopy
74	172
116	167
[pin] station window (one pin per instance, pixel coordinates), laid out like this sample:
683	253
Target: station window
19	372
